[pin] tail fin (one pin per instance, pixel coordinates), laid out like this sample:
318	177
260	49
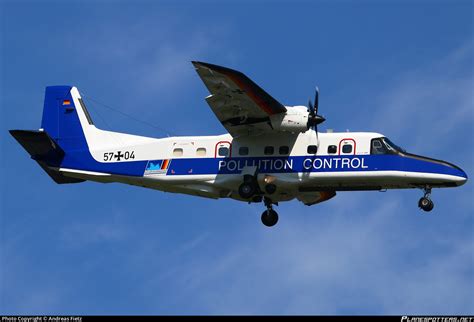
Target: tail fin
69	142
63	120
62	131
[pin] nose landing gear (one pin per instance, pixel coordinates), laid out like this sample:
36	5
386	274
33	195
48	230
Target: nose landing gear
425	203
269	216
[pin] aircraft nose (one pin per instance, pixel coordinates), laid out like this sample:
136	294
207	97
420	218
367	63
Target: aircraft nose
457	176
461	178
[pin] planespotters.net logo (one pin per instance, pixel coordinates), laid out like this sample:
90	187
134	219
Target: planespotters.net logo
437	319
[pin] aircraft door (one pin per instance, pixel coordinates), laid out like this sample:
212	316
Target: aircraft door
347	147
223	149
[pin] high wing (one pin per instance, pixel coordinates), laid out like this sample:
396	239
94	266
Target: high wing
242	106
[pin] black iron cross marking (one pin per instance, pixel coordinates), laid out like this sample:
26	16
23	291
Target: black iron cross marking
119	155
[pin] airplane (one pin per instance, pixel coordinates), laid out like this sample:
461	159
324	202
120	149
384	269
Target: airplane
272	153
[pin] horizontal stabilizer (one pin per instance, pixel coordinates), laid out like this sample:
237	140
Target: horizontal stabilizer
38	144
43	150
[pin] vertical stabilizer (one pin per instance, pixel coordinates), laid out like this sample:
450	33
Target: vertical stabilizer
65	117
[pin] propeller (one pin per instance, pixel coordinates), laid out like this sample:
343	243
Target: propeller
313	118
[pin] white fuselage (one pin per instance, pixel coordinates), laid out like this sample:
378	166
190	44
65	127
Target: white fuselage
213	166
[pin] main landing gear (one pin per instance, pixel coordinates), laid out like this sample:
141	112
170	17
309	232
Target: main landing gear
249	189
425	202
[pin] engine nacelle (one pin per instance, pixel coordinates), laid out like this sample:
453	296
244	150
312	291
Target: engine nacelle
295	120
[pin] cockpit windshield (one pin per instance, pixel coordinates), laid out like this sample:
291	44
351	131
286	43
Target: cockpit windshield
384	146
392	145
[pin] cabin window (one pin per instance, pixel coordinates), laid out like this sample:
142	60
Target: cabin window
243	150
178	152
269	150
284	150
347	148
332	149
312	149
201	152
223	151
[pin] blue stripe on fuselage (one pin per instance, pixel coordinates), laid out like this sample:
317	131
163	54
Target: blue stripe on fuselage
309	164
292	164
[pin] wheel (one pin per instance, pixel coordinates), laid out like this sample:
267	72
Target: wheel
247	190
430	206
270	188
426	204
269	217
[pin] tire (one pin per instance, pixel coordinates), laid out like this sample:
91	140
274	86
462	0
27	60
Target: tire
247	190
426	204
270	188
269	217
430	206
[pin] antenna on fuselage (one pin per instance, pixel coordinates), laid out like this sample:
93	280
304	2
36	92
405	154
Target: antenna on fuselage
134	118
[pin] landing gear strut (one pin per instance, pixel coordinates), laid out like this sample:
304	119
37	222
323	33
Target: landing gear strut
425	202
269	216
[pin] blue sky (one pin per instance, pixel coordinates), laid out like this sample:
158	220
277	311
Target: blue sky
401	68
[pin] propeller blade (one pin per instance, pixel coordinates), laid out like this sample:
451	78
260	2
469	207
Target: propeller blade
313	118
316	100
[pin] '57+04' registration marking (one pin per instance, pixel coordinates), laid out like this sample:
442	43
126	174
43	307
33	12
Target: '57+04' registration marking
119	155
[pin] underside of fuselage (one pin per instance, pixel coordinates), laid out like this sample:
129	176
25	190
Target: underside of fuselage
304	186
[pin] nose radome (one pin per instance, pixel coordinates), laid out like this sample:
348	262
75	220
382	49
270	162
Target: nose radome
462	178
457	175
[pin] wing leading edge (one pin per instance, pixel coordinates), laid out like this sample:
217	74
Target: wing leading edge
242	106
